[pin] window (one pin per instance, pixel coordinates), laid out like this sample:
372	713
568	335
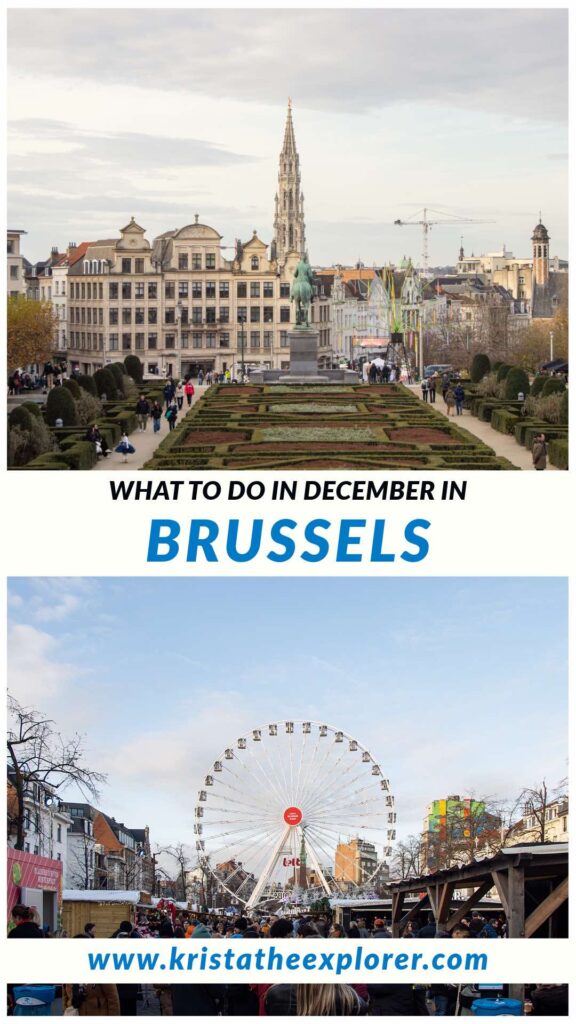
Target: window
210	340
112	316
284	314
254	263
170	340
254	289
224	314
196	289
126	342
113	342
254	339
139	266
126	290
254	314
152	341
139	316
268	314
210	261
224	289
284	339
241	314
210	289
241	290
83	290
268	290
139	290
126	265
268	339
184	315
284	291
196	315
152	290
183	289
196	339
170	316
196	261
59	834
184	339
14	273
182	261
224	340
153	315
100	291
10	246
126	316
211	315
169	290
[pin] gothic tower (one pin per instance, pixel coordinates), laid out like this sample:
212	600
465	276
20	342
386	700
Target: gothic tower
540	254
289	231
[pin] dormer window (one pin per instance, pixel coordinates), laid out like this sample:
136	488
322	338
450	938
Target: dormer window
254	263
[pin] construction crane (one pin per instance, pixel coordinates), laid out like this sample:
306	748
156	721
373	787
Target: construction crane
427	226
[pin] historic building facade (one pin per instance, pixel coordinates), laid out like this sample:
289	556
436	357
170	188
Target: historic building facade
181	306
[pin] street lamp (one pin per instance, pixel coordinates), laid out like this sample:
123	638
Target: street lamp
242	321
551	345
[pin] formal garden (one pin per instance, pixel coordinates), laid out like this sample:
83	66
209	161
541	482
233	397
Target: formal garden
319	426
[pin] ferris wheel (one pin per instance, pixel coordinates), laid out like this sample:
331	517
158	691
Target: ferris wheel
293	810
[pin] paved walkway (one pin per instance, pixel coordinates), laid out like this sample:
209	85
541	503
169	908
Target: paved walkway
145	442
503	444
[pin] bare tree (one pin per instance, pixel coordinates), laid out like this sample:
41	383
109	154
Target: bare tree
471	825
179	853
38	754
81	871
535	803
407	859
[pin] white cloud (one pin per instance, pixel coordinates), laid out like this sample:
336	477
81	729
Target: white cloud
36	674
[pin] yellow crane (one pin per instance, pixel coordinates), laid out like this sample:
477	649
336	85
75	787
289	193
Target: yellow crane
426	224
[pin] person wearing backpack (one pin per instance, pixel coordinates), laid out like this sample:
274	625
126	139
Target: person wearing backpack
171	414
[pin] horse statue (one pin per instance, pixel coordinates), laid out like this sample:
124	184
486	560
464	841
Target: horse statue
302	291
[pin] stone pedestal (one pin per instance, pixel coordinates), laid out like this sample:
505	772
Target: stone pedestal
303	352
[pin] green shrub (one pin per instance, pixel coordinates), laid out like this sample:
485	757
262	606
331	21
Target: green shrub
564	407
117	371
34	408
502	372
553	386
134	368
105	382
87	384
496	366
51	460
480	367
25	443
537	385
488	386
80	455
61	405
504	421
88	408
20	417
516	381
73	388
558	452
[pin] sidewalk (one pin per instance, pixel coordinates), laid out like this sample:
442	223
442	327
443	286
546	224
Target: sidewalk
145	442
502	444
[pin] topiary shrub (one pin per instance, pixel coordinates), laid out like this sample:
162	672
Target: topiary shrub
564	407
33	408
553	386
87	384
105	382
61	405
80	455
117	371
73	388
537	385
88	408
504	420
480	367
26	442
51	460
502	371
516	381
496	366
20	417
558	452
134	368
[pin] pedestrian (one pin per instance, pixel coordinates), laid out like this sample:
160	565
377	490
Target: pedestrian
432	388
180	395
539	452
445	384
90	930
459	399
172	414
189	390
125	449
450	400
424	386
169	391
381	929
156	414
336	931
90	1001
313	1000
201	378
142	412
24	925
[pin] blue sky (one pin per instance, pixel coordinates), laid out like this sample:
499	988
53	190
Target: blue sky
455	685
182	111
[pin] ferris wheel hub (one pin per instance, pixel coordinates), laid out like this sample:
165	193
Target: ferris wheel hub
293	815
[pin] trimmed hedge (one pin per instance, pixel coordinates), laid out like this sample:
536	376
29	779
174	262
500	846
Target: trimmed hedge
79	455
61	405
117	370
558	452
105	382
480	367
553	386
20	417
537	385
34	408
88	384
73	388
516	382
51	460
134	368
564	407
503	371
504	421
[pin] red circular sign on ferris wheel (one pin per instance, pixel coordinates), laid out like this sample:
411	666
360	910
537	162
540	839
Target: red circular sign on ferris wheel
292	815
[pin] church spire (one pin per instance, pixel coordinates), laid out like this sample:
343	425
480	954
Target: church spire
289	230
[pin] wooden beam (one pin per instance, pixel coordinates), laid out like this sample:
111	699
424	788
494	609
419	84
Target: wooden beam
516	905
500	879
397	901
413	912
461	912
444	901
554	900
432	891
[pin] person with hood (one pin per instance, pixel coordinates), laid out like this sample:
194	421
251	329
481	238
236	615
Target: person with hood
450	400
172	414
198	930
539	452
24	925
189	391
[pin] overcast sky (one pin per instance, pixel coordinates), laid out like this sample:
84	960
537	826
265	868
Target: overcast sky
454	685
162	114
